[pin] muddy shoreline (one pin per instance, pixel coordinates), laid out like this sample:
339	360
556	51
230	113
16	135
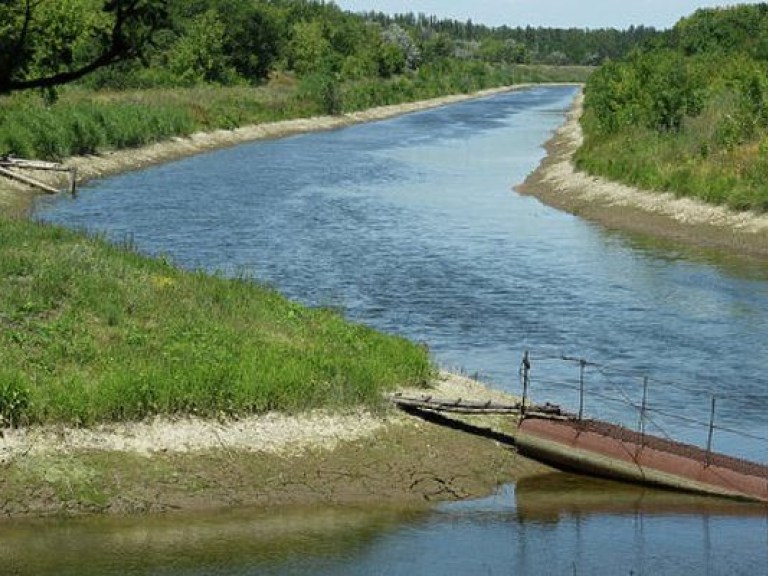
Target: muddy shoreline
264	461
656	215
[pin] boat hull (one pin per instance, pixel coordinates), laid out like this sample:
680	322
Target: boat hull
610	451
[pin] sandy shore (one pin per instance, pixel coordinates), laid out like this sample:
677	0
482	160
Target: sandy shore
656	214
273	433
17	198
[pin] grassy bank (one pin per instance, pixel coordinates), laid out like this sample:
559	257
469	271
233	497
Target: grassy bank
688	114
87	122
686	163
93	332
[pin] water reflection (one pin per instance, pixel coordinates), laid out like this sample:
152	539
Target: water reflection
553	524
553	497
232	542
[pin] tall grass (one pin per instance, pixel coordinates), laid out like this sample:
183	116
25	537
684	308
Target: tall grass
690	163
92	332
88	122
73	128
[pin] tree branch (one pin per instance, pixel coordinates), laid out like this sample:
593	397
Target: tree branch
120	47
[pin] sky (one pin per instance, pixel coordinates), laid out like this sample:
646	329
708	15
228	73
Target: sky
548	13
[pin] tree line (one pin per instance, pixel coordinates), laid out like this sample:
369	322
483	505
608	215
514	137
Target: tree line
149	43
697	93
525	44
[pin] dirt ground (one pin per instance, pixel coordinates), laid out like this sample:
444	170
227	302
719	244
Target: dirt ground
390	458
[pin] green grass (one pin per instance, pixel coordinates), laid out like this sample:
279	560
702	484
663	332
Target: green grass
84	122
687	164
93	332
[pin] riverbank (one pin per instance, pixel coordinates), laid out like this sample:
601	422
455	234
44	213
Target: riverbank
557	183
188	464
318	457
17	198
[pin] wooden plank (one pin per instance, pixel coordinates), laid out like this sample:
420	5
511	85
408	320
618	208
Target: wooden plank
28	180
10	162
456	408
460	406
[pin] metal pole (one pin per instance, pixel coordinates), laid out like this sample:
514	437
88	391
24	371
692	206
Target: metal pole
643	406
526	369
711	429
582	366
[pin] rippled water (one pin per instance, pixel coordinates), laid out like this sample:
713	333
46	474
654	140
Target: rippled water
410	225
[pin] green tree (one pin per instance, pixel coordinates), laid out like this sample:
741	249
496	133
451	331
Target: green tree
254	35
45	43
198	55
310	50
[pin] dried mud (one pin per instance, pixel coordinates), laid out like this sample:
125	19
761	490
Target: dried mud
391	459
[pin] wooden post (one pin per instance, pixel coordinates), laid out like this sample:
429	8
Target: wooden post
643	408
73	182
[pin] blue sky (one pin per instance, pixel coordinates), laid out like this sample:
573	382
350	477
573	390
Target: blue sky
554	13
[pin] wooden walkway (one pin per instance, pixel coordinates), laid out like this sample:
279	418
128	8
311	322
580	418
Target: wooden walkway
460	406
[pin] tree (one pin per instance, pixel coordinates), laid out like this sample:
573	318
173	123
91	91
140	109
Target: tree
46	43
398	37
310	50
198	56
253	36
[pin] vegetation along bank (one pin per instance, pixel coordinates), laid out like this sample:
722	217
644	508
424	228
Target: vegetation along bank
669	141
95	337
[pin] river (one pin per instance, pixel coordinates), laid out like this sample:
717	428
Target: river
411	225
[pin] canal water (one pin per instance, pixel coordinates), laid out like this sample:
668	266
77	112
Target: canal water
411	225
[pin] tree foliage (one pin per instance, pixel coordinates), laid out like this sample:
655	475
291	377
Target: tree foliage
688	112
143	43
44	43
714	56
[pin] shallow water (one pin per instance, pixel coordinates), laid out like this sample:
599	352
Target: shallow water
553	525
410	225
